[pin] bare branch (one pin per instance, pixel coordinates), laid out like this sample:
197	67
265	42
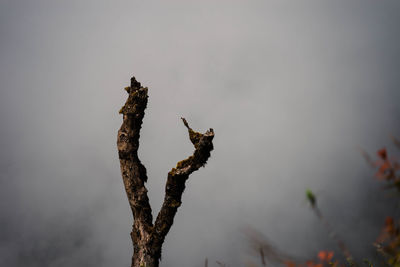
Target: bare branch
177	177
132	170
148	239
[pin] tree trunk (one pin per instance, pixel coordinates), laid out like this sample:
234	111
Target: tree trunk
146	250
144	258
148	238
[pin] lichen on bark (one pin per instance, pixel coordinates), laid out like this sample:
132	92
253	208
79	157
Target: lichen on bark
148	238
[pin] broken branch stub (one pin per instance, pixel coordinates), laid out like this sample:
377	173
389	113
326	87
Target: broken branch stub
148	238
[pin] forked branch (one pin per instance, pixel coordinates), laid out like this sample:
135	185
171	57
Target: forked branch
148	239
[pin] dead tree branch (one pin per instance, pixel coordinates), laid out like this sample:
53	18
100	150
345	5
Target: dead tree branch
148	239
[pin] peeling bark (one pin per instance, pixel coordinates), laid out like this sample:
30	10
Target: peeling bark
148	238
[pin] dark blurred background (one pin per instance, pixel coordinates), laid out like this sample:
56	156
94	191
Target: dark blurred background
292	89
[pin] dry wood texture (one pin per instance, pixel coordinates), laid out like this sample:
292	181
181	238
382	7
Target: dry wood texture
148	238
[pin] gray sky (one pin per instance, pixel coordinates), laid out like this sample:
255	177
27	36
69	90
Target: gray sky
291	88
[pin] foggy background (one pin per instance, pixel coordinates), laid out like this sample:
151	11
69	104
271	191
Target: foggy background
291	88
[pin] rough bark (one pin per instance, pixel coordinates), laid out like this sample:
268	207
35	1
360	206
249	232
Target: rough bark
148	238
